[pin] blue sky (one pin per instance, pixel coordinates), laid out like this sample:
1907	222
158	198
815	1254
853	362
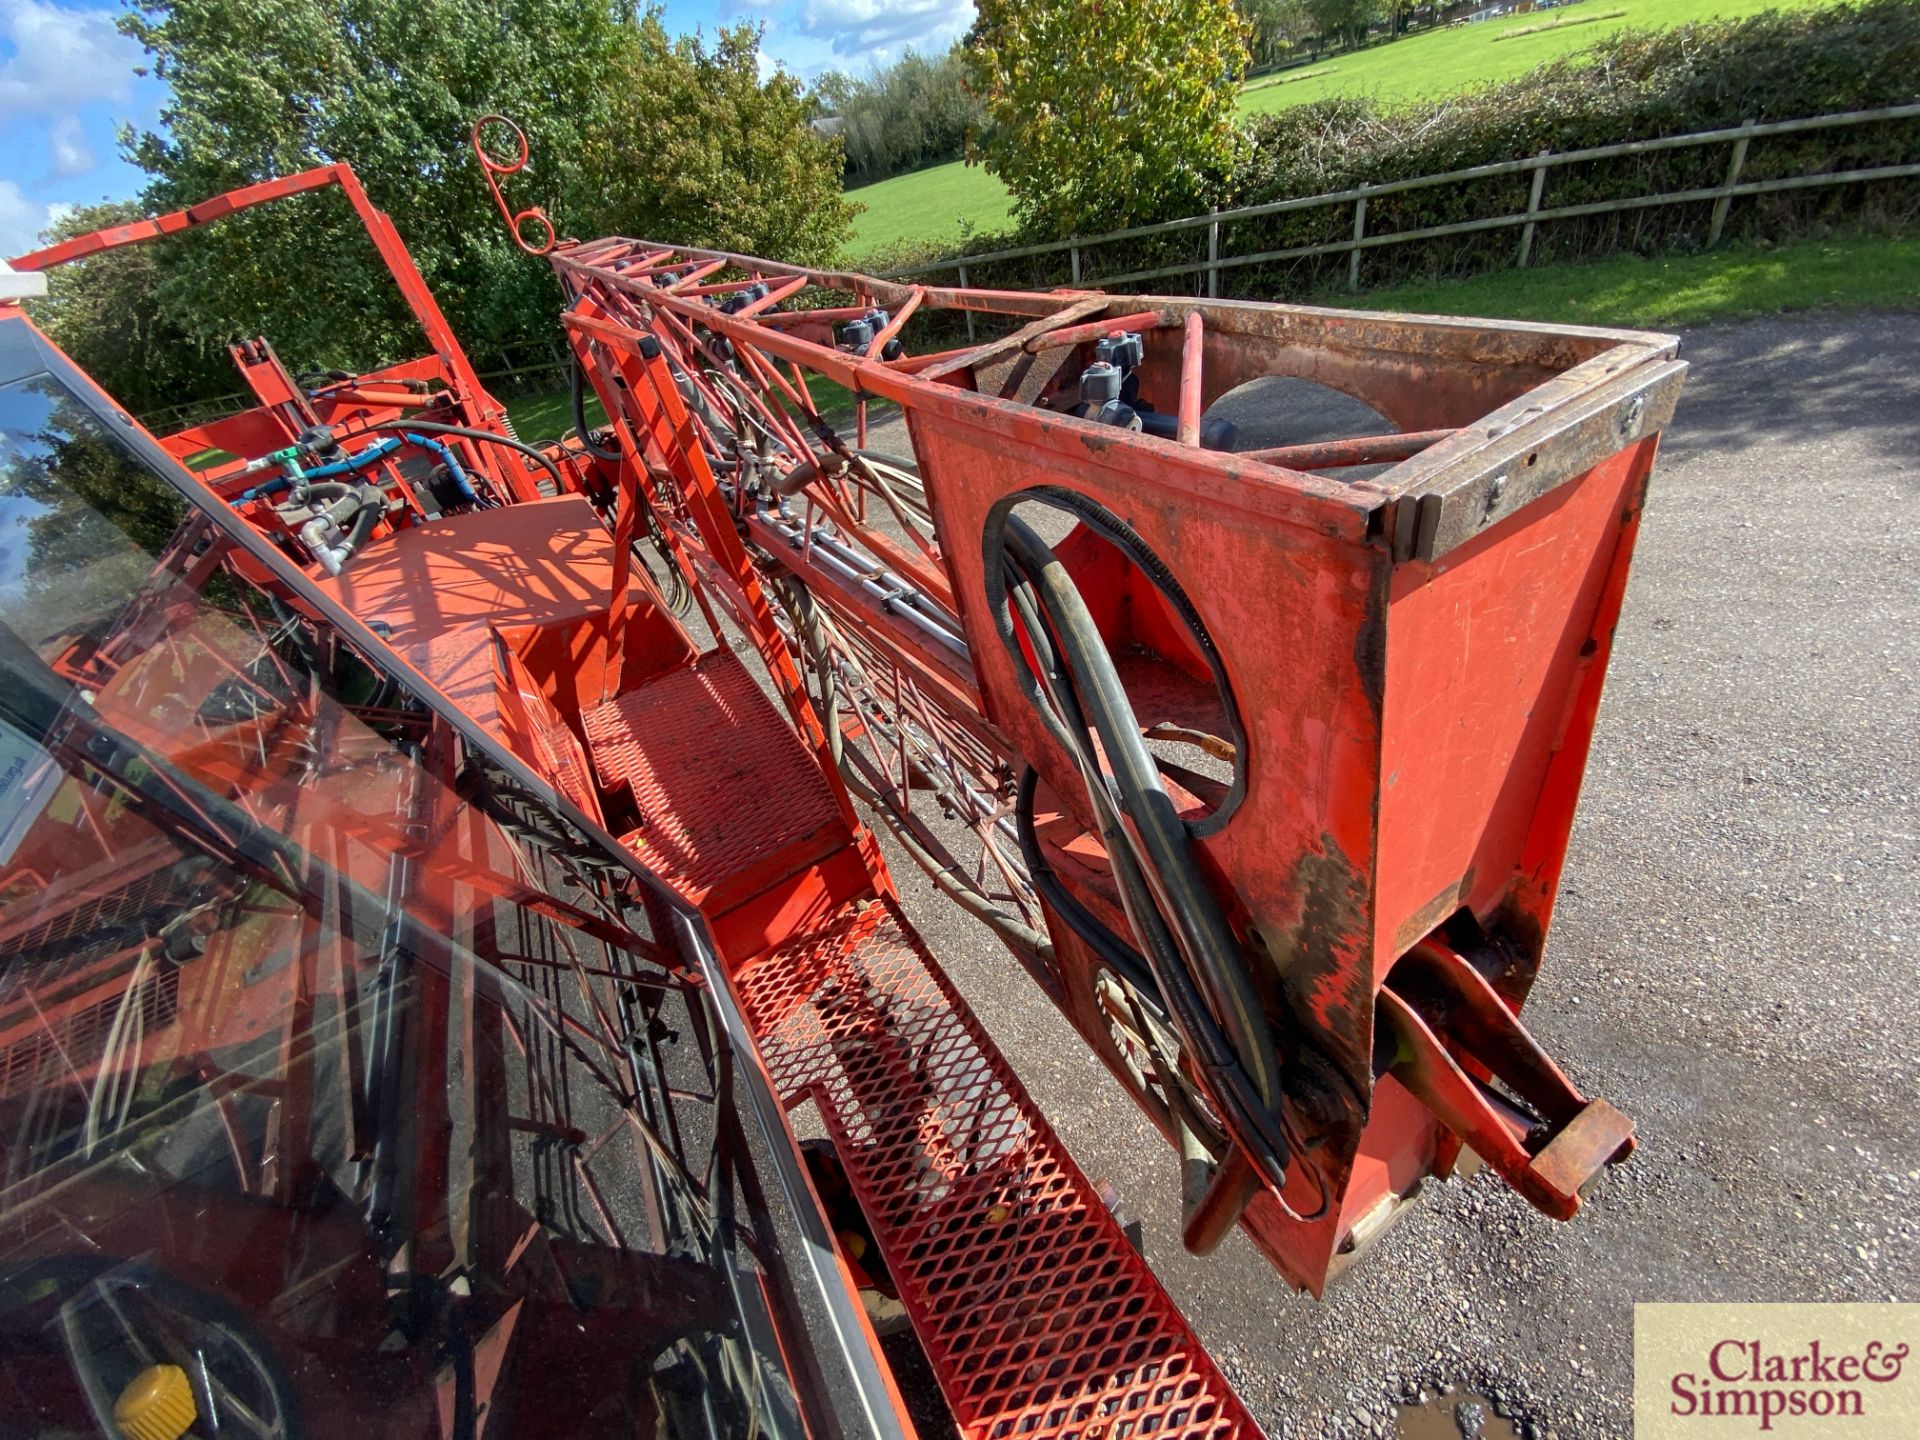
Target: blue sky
68	80
808	36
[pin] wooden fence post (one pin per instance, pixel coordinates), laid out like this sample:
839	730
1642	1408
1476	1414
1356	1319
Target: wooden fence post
1073	257
1725	202
1359	233
963	285
1533	208
1213	256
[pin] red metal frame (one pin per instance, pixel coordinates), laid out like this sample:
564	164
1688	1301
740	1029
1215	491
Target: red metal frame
441	386
386	241
1399	787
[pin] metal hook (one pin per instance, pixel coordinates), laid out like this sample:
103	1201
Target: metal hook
493	168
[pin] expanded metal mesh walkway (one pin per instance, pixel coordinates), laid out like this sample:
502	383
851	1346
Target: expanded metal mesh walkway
1039	1317
725	787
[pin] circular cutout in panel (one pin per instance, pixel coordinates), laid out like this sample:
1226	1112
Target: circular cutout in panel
1153	637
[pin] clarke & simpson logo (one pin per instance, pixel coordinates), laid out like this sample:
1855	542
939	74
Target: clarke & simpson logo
1802	1371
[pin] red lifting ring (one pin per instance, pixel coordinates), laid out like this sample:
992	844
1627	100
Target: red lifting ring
493	168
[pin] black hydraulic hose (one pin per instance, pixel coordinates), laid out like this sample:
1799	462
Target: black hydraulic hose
1173	982
466	432
1111	528
1135	777
372	504
1244	1071
1121	957
1096	679
577	393
1174	987
1179	893
371	509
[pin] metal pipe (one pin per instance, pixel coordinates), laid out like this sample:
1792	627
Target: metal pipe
1360	450
1098	329
1190	347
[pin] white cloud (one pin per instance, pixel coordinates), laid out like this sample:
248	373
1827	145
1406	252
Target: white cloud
880	29
72	155
22	219
62	59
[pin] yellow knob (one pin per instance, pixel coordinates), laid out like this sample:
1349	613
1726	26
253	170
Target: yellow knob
156	1405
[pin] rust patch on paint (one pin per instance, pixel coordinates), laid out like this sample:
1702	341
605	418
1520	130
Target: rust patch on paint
1325	972
1427	918
1370	644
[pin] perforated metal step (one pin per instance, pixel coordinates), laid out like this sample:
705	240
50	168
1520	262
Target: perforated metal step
1038	1316
723	784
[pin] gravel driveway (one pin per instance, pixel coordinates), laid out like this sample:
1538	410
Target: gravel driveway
1731	964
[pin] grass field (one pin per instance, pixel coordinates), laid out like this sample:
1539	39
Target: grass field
547	415
1851	274
1442	62
931	204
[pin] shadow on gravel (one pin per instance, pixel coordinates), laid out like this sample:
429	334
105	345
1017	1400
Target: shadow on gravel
1761	381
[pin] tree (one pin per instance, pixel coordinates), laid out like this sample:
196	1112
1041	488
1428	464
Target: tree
915	112
610	105
714	155
261	88
1272	27
1107	113
107	313
1344	19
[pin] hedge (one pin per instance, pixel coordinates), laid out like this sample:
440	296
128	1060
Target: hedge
1634	85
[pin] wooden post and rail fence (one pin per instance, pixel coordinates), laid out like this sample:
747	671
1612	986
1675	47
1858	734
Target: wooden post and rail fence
1732	187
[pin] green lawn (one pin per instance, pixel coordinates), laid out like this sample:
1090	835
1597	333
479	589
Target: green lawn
1677	290
549	415
929	205
1445	61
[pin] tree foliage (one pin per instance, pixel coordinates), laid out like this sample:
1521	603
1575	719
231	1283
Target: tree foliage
709	151
913	113
1273	26
631	131
84	519
1108	113
106	313
1345	20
